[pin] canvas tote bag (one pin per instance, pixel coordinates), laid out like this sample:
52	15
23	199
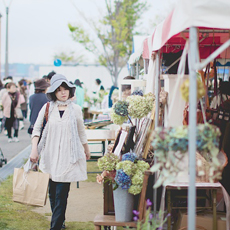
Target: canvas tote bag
30	187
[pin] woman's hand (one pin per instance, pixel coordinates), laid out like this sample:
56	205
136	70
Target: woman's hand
34	156
34	152
87	154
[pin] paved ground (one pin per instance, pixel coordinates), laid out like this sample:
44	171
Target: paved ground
15	153
10	150
83	203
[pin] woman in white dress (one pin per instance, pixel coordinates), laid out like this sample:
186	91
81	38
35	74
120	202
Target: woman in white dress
63	147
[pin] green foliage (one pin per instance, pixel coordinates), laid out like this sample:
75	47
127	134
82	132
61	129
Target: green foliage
69	57
114	31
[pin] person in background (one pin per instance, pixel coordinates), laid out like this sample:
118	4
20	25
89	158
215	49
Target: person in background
50	75
2	91
45	77
37	100
10	78
126	89
99	85
110	95
63	146
1	112
11	101
1	85
80	93
23	91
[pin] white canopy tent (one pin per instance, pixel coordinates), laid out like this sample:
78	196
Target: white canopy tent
206	21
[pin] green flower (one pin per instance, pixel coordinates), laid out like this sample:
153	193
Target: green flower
180	132
135	189
138	178
142	166
139	106
118	120
108	162
126	166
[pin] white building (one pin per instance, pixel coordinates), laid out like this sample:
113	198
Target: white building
85	73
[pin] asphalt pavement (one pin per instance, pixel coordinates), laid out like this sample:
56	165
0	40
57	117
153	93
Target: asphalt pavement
15	152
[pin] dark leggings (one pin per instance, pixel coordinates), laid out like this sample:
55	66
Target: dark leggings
9	125
58	194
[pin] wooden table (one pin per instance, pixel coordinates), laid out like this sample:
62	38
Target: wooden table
184	186
103	135
100	135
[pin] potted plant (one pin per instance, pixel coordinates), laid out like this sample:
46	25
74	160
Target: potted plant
126	175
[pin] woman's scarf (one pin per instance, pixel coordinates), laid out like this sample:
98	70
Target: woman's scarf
77	152
14	97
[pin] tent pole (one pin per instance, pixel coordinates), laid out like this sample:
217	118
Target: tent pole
157	77
193	51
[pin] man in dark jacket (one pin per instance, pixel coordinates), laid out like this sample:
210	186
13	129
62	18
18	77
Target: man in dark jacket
37	100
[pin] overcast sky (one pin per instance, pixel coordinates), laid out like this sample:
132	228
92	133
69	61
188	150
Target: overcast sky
38	28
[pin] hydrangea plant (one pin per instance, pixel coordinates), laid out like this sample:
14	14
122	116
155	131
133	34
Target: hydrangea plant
129	172
121	108
139	106
135	106
171	144
108	162
118	120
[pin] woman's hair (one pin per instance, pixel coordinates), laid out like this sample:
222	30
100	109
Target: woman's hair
39	90
50	75
10	84
22	86
53	96
1	85
98	81
126	87
78	83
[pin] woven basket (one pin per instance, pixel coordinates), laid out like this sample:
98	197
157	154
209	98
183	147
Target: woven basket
202	164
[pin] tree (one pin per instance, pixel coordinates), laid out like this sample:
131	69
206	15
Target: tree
69	57
114	32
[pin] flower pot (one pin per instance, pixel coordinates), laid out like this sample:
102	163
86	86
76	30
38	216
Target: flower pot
123	205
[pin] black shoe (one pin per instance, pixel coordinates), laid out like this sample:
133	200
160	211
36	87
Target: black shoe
63	225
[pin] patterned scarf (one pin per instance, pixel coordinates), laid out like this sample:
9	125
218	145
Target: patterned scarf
77	152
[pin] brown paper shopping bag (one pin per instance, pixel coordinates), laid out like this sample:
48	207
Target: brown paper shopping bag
30	188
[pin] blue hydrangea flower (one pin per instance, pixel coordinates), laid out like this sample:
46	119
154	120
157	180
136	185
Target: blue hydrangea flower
122	179
129	157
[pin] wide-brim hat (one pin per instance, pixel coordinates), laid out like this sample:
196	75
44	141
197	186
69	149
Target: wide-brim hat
41	84
55	82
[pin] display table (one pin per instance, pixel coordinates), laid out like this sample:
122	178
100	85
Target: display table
213	187
95	112
102	135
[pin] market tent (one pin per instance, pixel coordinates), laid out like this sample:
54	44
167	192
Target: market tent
212	19
204	14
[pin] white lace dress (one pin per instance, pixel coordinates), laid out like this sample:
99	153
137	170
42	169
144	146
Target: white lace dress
55	156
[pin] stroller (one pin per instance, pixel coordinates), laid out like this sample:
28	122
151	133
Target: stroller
2	159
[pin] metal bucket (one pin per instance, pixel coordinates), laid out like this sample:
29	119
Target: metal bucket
123	204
